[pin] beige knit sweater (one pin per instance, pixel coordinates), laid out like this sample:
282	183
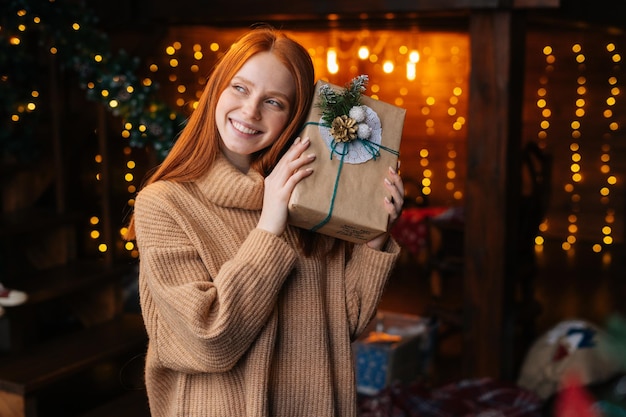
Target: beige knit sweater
240	323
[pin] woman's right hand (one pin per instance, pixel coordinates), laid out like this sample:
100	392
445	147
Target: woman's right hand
279	185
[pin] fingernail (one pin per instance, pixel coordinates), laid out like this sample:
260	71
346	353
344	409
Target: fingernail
305	140
311	156
295	142
387	181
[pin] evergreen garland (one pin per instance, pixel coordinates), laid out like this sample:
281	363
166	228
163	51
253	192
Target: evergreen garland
68	29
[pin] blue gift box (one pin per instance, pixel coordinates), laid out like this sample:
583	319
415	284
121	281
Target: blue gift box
394	347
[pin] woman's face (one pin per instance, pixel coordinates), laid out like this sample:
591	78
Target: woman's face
254	109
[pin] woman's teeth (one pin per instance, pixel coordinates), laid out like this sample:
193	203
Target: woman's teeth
244	129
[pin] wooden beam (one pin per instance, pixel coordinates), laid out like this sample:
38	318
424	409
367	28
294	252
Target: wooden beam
492	187
224	11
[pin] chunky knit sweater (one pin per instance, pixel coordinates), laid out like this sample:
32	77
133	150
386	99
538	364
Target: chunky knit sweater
240	323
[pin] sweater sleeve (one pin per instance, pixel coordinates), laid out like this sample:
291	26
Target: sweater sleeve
367	273
198	320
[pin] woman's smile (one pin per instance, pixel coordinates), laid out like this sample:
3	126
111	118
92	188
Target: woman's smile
253	110
241	127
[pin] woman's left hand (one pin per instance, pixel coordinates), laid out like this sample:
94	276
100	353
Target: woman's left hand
393	205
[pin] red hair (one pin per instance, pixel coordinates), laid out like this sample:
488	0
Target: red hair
198	144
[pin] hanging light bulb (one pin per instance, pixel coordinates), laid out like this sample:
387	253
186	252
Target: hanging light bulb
331	61
364	52
411	71
388	66
411	67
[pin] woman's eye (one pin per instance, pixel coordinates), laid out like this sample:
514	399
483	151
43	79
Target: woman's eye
239	88
275	103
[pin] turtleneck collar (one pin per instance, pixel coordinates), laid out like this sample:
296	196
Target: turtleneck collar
226	186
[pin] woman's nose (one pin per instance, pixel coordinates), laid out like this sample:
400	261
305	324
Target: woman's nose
251	108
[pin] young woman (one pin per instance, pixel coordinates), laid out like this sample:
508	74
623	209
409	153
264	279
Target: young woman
246	315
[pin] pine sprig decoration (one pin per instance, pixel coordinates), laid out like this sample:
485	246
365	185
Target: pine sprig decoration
335	104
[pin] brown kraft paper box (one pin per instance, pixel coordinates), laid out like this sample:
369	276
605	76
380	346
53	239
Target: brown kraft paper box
358	213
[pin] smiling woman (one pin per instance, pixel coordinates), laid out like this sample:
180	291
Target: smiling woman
237	302
254	109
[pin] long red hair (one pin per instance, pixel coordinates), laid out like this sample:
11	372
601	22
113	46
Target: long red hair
198	145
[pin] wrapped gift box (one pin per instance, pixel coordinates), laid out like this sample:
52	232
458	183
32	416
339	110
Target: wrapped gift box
345	195
394	348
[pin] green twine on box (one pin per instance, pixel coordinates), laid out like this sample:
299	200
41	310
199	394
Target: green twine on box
372	148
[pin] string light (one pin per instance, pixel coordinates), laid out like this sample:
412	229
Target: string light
437	117
606	228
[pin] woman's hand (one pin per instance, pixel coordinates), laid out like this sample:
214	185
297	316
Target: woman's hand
279	185
393	205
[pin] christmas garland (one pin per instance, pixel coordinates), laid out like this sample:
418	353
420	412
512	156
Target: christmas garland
67	29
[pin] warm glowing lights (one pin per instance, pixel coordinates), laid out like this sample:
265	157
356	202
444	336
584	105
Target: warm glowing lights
363	52
411	71
331	61
441	113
